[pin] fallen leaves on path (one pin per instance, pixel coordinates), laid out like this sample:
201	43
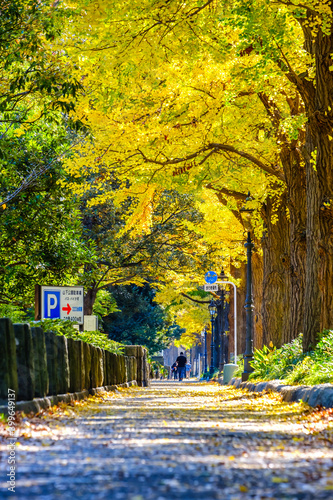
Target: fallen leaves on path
214	441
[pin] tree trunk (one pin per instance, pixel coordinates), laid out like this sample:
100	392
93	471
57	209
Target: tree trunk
312	291
296	203
284	242
323	124
257	293
89	300
276	277
319	264
238	273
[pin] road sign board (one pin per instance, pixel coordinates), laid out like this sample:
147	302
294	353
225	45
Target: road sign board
210	277
62	302
211	288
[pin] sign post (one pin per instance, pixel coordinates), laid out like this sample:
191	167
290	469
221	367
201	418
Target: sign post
235	314
212	286
62	302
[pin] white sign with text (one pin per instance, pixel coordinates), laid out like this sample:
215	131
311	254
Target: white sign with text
62	302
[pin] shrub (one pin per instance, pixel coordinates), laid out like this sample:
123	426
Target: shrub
290	364
316	367
66	328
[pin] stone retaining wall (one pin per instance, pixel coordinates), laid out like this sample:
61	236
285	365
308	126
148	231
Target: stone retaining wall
38	364
316	395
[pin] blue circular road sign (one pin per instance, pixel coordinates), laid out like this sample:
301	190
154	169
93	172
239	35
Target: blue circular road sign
210	277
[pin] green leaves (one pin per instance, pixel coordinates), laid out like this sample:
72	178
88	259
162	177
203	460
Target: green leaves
140	320
66	328
34	76
40	224
292	365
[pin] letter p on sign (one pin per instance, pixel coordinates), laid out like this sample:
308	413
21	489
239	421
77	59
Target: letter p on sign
51	304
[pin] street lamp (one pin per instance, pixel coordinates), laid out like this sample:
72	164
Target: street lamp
213	312
248	354
217	331
221	322
204	337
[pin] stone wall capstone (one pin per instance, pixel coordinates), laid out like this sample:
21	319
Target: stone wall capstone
25	362
96	366
74	356
35	363
142	370
8	364
63	373
82	365
100	369
52	361
40	362
87	362
113	371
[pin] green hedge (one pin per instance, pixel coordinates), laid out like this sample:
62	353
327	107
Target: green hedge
66	328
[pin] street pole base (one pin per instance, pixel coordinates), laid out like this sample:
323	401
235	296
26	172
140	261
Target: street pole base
245	376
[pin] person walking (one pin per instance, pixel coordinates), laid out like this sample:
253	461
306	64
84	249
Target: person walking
174	370
181	362
188	369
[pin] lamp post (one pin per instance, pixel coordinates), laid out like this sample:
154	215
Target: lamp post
204	337
248	354
217	336
222	332
221	322
212	312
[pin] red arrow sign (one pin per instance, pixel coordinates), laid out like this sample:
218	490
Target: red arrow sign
67	308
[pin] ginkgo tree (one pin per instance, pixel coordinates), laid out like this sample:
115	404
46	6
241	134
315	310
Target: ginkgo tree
171	110
160	245
228	97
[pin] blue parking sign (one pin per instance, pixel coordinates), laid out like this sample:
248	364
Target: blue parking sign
51	300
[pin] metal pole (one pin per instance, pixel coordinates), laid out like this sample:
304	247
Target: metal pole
222	334
212	347
217	340
248	355
205	352
235	314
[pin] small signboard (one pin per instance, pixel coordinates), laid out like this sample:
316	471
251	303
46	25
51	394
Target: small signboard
90	323
210	277
211	288
62	302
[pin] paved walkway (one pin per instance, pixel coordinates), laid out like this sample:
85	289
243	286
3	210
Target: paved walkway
174	441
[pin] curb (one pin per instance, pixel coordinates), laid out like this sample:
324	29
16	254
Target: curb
38	404
313	395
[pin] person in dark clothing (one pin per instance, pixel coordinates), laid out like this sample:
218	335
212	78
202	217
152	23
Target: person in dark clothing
174	370
181	361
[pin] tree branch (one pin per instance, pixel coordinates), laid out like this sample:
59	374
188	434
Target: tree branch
194	300
269	169
234	194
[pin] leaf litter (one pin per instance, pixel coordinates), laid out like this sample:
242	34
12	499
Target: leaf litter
190	440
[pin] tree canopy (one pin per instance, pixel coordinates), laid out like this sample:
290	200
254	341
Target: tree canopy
173	112
140	321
